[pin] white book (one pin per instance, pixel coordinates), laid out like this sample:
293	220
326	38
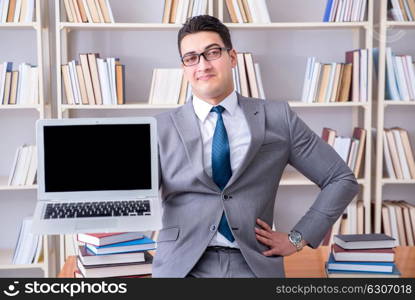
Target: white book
352	217
331	83
363	76
254	11
263	11
259	81
307	78
407	77
353	154
1	10
400	75
238	82
355	8
411	73
362	11
314	82
17	11
205	7
393	221
348	12
113	84
104	80
34	85
234	78
24	71
407	10
30	11
18	175
3	70
39	249
152	87
338	11
74	82
401	154
13	169
238	11
397	10
26	165
107	2
342	146
31	174
388	158
390	75
87	12
333	11
4	11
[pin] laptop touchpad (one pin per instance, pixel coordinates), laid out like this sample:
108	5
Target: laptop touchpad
96	224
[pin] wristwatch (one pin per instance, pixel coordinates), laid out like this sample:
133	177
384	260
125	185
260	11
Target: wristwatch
296	238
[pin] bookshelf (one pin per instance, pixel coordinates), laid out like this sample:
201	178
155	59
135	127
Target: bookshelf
19	201
391	113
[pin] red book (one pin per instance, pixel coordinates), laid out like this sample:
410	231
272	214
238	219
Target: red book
102	239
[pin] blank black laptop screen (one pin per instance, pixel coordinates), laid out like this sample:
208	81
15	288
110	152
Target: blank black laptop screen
103	157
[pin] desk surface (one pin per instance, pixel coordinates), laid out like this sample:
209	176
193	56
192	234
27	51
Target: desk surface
307	263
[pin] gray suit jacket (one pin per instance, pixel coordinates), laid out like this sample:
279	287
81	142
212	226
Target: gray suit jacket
193	204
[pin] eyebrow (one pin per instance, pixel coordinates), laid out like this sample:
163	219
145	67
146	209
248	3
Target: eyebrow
207	47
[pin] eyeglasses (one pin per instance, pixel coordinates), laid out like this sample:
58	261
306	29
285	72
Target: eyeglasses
210	54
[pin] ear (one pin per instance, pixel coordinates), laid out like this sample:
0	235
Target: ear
233	56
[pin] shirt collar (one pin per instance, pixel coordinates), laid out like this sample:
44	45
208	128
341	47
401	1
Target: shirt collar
202	108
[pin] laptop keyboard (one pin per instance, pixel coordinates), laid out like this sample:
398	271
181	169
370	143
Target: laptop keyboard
97	209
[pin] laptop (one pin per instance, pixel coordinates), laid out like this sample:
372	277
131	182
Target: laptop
97	175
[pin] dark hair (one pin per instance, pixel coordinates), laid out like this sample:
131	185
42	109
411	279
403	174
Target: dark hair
204	23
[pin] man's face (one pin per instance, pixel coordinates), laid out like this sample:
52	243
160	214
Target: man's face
210	80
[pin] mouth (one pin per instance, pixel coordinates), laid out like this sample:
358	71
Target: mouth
205	77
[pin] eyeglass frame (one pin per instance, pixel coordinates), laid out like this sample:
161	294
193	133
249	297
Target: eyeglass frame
203	54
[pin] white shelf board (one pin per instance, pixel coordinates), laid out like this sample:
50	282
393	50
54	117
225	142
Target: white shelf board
397	103
296	178
5	187
12	25
397	181
399	24
20	106
6	258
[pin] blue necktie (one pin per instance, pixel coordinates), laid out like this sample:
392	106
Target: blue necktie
221	165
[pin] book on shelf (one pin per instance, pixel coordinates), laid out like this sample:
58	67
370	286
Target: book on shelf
88	11
364	241
168	86
24	168
398	154
363	266
118	269
401	10
102	239
17	11
142	244
359	274
88	258
28	246
94	81
247	77
381	254
19	87
177	11
337	82
398	218
248	11
400	77
351	149
345	11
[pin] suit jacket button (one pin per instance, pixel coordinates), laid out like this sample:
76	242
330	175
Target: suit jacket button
226	197
213	228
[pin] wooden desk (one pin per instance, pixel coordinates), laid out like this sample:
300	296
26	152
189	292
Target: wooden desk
307	263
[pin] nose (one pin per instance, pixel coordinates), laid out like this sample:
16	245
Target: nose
203	64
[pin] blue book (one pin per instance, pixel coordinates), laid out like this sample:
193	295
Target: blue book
361	266
143	244
328	10
359	274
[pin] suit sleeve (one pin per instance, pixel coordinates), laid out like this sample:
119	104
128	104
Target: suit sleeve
320	163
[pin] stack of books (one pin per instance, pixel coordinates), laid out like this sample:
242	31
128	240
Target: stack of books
177	11
401	10
398	221
123	254
88	11
168	87
247	77
17	11
351	149
248	11
337	82
400	77
95	81
397	152
362	255
23	171
19	87
345	11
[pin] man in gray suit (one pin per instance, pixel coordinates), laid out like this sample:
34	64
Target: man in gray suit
221	159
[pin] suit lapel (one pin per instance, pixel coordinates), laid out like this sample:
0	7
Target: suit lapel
187	125
255	117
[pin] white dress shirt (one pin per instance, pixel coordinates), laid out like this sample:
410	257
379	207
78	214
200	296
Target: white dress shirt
239	138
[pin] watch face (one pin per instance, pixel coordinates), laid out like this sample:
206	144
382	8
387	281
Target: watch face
295	236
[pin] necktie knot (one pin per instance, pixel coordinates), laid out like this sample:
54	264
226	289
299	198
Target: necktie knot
218	109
